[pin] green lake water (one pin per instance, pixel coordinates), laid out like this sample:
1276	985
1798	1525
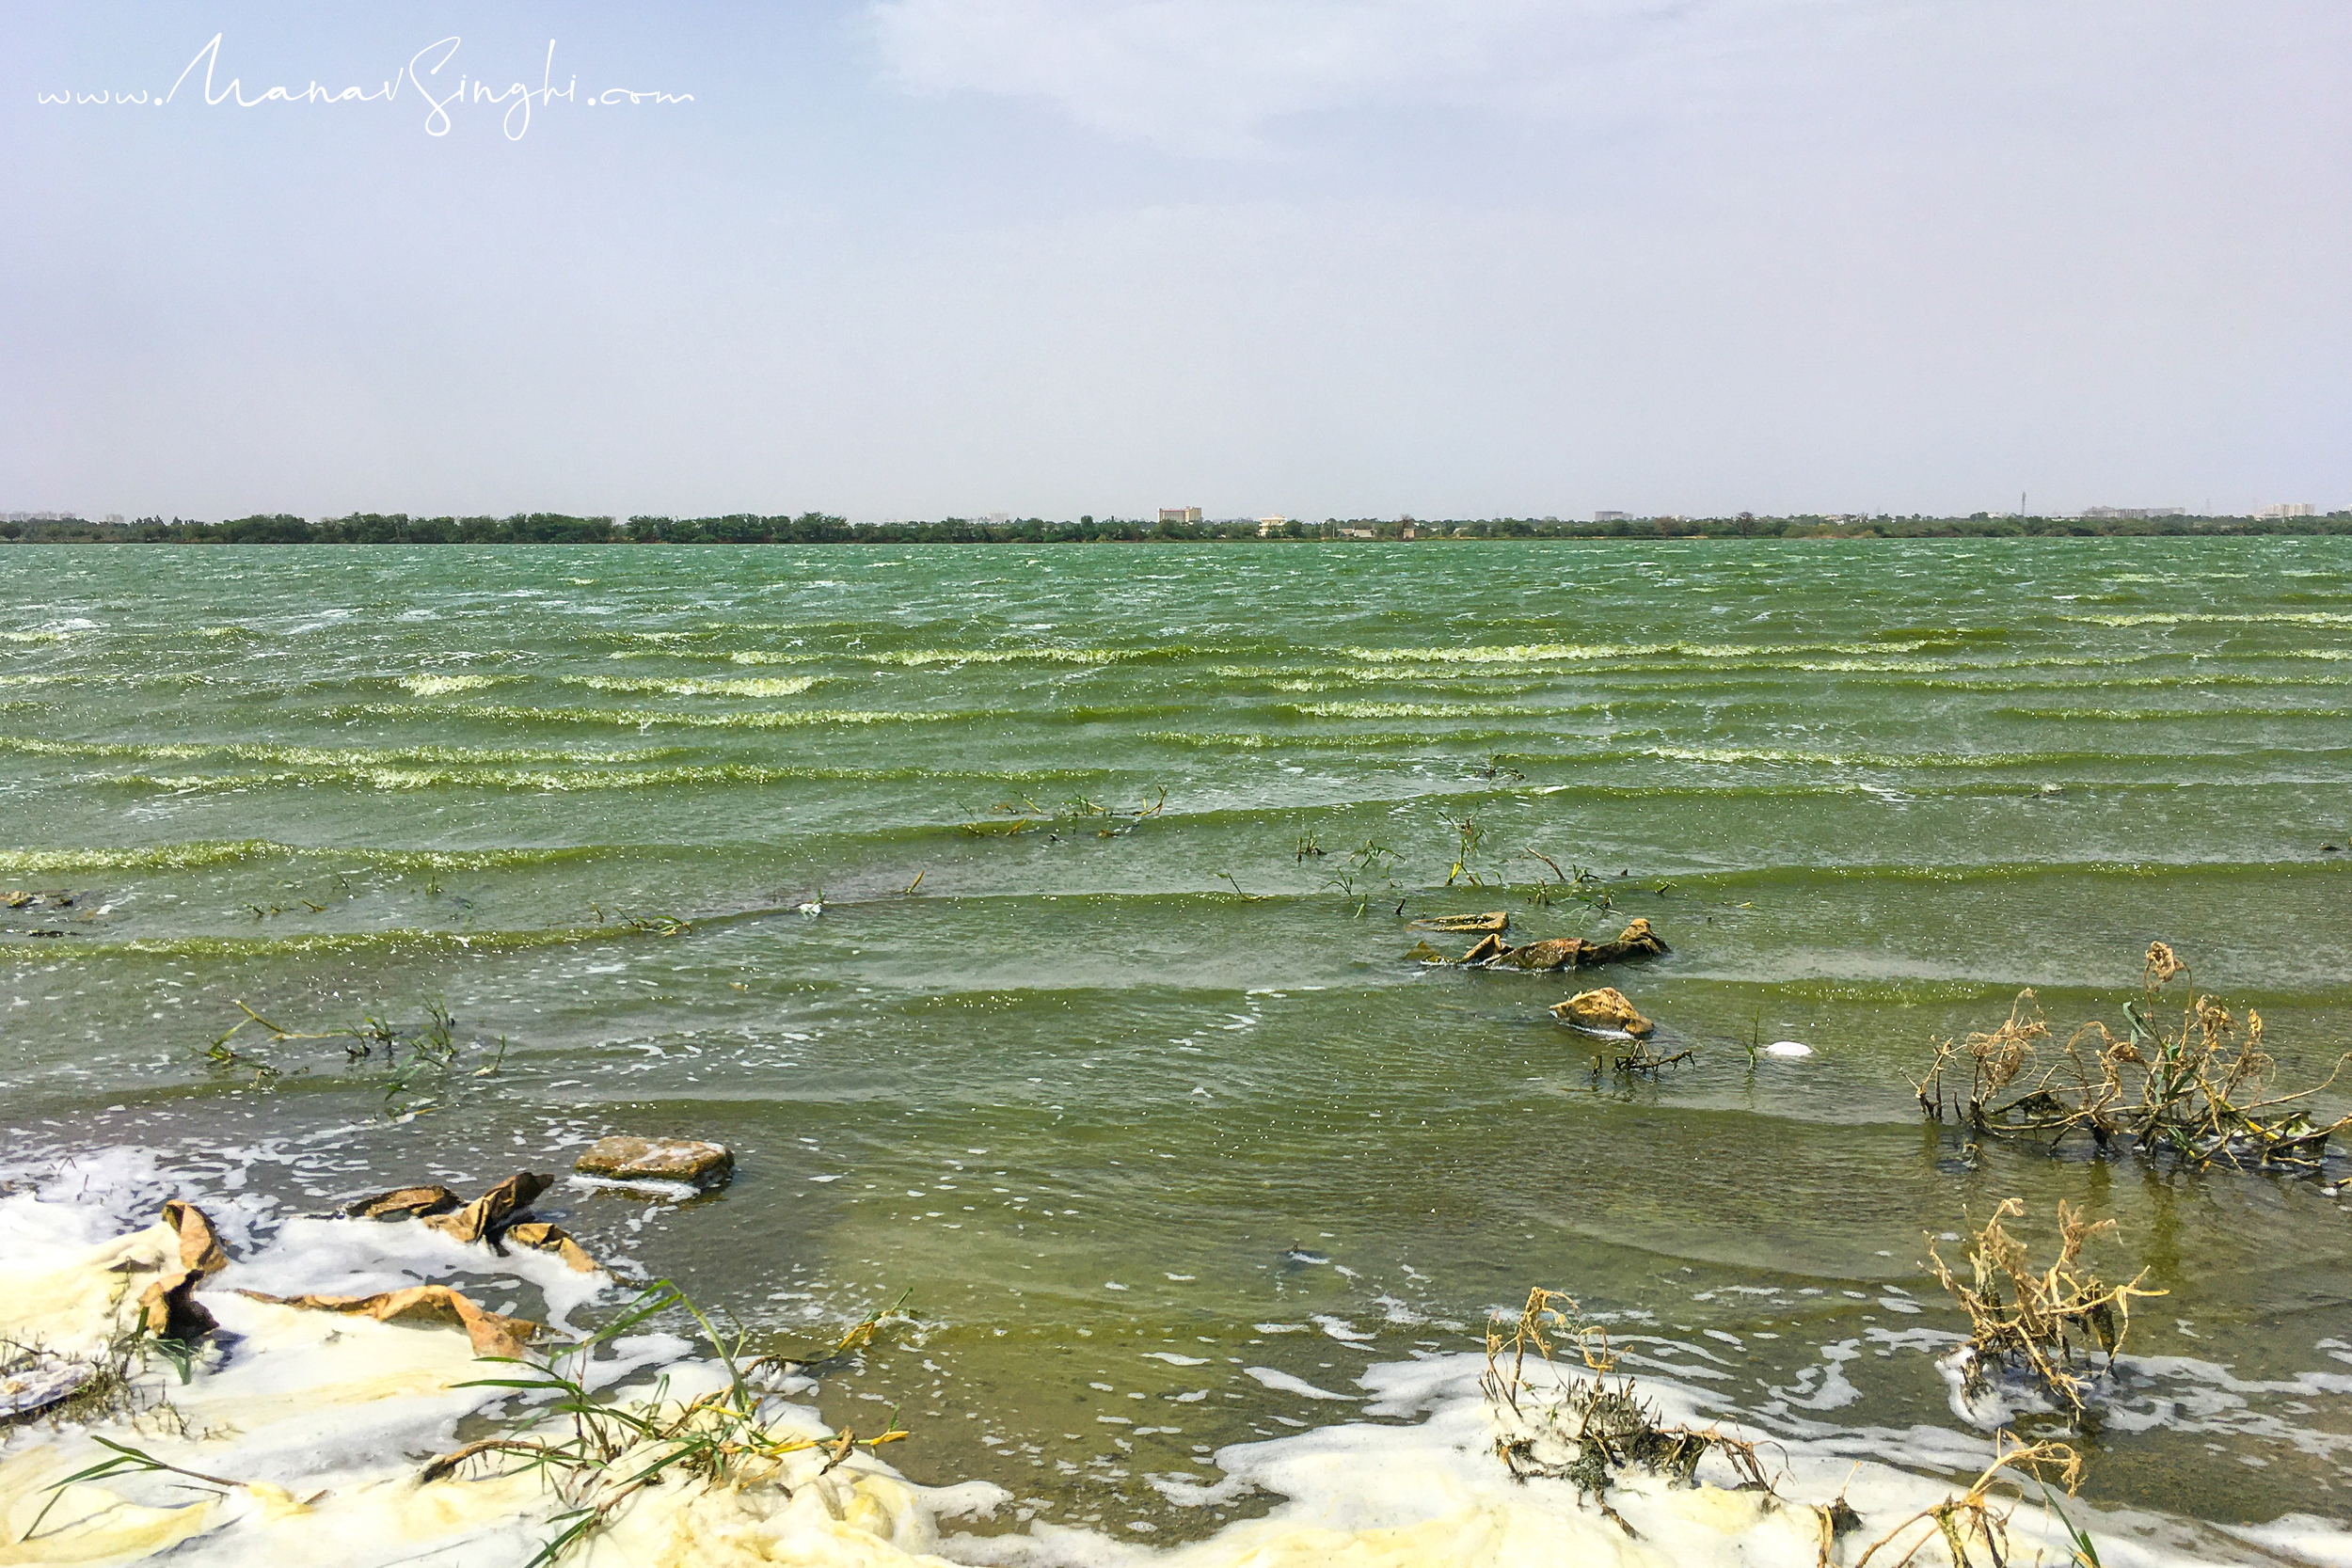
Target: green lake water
1128	1103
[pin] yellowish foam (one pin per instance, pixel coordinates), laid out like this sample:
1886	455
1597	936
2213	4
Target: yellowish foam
313	1422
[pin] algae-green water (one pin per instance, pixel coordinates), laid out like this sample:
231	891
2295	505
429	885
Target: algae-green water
1031	922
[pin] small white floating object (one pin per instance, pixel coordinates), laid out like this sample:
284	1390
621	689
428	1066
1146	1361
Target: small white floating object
812	910
1789	1048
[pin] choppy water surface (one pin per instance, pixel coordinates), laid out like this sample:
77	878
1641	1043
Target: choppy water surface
1131	1105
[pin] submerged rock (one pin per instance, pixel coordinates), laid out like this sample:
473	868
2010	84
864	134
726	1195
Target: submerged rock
630	1158
1604	1008
1552	953
1493	920
1637	940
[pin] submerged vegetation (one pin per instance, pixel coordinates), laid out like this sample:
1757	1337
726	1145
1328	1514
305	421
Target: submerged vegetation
410	1053
2194	1093
1026	814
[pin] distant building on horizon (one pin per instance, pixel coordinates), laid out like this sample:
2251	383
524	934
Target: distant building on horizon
2288	509
1269	527
1612	517
1179	513
2139	512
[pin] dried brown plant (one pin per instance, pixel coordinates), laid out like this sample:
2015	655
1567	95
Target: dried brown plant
2039	1319
2195	1092
1586	1428
1975	1521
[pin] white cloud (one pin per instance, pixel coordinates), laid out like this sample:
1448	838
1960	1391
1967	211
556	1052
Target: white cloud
1211	75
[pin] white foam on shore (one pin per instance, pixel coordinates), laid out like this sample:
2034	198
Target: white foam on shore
319	1419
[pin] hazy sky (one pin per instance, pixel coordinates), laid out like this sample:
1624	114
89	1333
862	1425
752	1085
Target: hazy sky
912	257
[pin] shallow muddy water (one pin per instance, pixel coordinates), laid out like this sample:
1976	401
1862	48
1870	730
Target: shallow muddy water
1145	1112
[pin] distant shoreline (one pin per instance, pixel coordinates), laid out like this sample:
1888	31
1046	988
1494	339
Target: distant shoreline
545	528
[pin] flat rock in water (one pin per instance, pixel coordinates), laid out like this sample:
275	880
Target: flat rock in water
1604	1008
687	1159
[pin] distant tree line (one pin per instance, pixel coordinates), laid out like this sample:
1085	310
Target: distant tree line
817	528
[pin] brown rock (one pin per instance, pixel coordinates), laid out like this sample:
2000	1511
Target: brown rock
1605	1009
199	1244
1424	953
1490	947
628	1159
403	1203
1494	920
1554	953
542	1237
490	1333
1637	940
170	1310
486	1217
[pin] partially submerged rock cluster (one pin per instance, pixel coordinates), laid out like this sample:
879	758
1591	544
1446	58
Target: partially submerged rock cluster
1604	1010
168	1313
501	1216
1637	940
296	1420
